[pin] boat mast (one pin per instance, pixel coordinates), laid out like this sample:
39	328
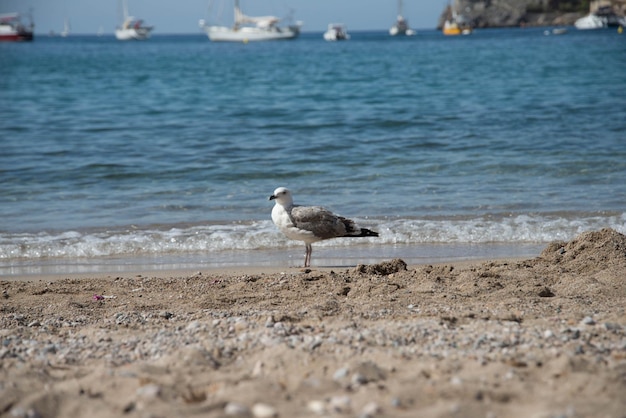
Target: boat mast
238	14
121	11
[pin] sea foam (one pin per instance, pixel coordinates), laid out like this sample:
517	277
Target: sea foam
179	240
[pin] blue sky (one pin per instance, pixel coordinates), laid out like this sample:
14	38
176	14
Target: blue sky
181	16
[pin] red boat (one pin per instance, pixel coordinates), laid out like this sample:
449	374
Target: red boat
12	29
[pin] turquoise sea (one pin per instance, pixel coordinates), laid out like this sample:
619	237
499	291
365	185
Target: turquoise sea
163	153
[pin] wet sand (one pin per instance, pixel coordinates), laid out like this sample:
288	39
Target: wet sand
536	337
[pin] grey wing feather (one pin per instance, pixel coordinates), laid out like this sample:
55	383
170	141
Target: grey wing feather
323	223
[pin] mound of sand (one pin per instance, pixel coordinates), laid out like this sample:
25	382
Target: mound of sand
589	252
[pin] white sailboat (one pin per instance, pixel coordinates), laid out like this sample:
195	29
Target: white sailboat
66	28
401	27
250	29
132	29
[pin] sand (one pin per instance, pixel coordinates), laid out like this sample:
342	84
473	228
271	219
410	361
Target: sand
542	337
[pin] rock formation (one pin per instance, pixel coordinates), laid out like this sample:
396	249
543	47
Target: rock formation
512	13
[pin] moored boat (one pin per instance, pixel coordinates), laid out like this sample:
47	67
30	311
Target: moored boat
452	27
66	29
12	28
401	27
251	28
591	21
555	31
131	28
336	32
600	18
456	24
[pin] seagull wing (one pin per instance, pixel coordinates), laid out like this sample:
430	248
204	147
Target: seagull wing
321	222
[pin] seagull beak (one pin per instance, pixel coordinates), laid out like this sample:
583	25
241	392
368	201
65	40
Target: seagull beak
272	197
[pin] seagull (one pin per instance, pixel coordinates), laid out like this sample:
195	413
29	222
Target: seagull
311	223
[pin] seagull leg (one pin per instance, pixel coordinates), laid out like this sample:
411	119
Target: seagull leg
307	255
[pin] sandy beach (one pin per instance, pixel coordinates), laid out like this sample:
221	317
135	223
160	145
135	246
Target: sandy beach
537	337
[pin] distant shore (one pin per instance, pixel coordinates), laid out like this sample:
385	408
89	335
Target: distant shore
525	13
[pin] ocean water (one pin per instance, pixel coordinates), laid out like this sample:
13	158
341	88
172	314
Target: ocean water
163	153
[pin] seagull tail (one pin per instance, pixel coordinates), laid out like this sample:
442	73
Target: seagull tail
366	233
354	231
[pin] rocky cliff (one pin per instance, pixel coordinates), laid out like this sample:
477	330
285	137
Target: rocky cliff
510	13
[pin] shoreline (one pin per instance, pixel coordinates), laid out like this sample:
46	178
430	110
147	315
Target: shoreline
339	257
541	336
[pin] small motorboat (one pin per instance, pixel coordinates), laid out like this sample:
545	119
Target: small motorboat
336	32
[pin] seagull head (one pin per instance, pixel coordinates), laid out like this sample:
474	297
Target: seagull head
282	195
